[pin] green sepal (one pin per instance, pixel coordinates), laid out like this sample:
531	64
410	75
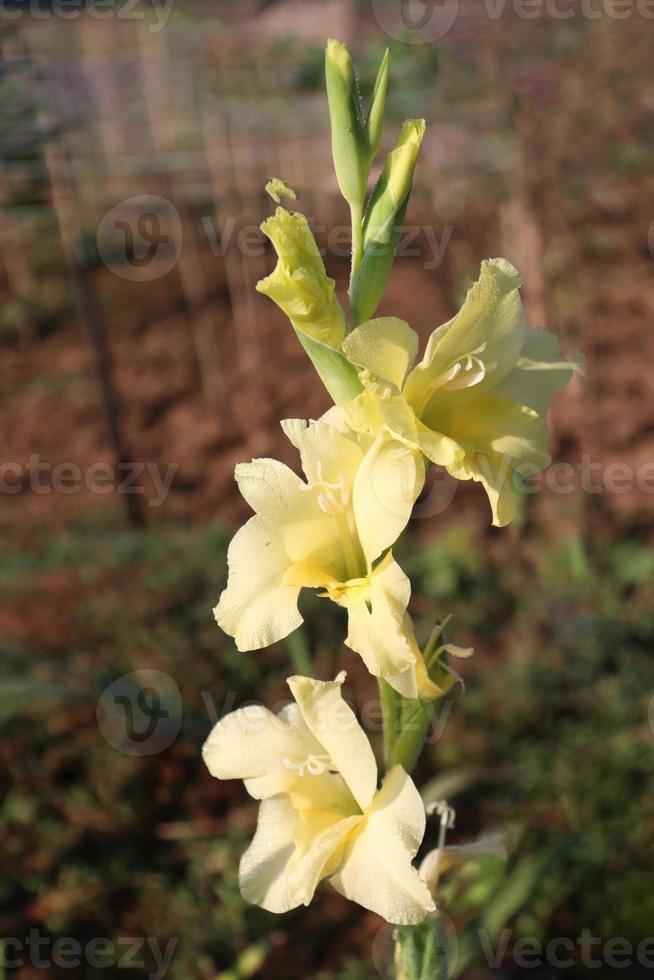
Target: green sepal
339	377
375	123
421	951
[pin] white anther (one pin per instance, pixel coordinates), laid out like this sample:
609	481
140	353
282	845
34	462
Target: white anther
314	765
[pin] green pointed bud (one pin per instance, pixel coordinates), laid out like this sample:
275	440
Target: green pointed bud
277	189
375	124
301	288
382	225
350	147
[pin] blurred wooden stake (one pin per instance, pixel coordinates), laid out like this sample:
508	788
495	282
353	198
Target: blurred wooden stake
522	243
217	135
72	241
20	281
212	367
520	229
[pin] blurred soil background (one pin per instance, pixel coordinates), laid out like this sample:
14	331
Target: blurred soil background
131	333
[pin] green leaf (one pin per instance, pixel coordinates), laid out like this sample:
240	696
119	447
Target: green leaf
375	123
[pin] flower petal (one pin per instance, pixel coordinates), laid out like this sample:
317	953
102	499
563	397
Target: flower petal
306	534
497	425
379	629
377	871
323	838
255	745
386	346
299	284
271	489
334	724
506	443
361	415
539	373
386	487
403	424
491	320
256	608
328	456
262	873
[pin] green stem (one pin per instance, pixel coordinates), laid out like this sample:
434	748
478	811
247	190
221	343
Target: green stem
356	212
391	708
415	720
298	650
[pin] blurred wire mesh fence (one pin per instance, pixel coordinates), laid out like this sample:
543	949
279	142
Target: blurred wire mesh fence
134	156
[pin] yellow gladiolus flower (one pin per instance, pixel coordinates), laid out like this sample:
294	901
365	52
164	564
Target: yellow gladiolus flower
299	285
329	533
321	815
476	403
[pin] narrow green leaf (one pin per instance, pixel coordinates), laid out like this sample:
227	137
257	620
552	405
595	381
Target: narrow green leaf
375	124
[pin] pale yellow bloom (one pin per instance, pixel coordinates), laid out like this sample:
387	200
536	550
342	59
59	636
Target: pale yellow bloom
331	532
299	284
477	402
321	814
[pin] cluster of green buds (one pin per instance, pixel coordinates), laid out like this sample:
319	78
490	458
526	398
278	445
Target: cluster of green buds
356	139
299	284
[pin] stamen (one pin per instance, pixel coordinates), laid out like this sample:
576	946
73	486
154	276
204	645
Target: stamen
467	371
326	498
315	765
447	814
